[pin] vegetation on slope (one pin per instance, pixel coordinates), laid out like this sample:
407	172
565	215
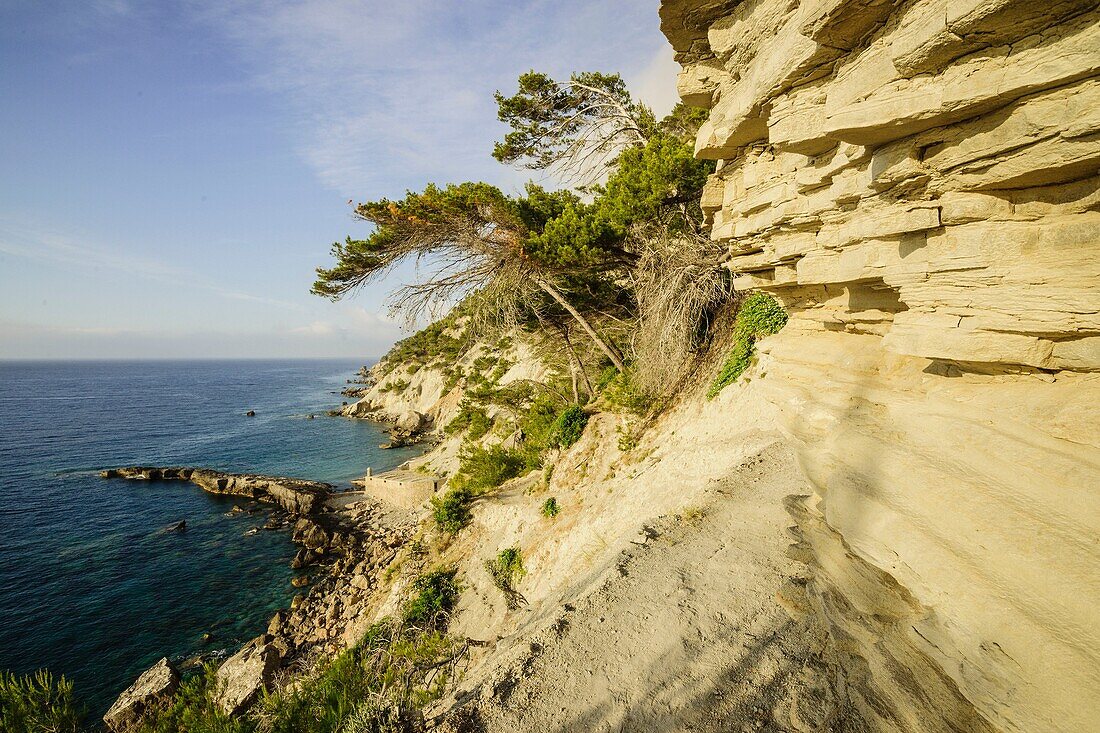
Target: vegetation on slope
397	667
759	315
37	702
623	253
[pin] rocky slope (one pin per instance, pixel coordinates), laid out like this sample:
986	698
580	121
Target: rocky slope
917	183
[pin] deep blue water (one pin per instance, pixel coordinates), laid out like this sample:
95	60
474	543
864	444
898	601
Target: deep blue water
90	585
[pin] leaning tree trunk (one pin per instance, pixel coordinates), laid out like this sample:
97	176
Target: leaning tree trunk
607	348
575	365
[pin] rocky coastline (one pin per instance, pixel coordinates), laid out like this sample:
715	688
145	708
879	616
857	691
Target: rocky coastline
345	540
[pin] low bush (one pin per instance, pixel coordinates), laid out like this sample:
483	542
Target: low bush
759	315
627	440
435	596
470	419
481	468
193	709
550	508
376	686
451	511
568	426
38	702
623	394
507	570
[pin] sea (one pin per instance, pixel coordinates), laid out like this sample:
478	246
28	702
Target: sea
92	587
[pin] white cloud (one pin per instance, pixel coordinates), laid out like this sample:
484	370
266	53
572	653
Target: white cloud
656	83
317	328
385	95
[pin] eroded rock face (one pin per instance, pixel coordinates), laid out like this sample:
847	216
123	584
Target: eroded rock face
918	184
152	688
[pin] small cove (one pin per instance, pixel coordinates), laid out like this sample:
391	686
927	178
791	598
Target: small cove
91	586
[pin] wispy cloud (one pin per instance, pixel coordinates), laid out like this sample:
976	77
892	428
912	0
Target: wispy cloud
46	245
382	91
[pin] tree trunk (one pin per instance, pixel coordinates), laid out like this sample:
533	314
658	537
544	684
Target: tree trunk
575	365
608	349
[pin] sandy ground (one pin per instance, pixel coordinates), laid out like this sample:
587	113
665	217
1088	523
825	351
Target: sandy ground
682	633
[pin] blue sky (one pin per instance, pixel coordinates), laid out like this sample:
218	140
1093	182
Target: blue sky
172	172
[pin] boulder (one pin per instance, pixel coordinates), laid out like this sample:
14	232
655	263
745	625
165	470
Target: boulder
311	535
303	558
410	421
152	688
247	673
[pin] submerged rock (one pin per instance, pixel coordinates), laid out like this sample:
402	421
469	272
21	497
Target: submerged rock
176	526
152	689
250	413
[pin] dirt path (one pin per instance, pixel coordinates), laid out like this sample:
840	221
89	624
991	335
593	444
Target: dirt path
683	634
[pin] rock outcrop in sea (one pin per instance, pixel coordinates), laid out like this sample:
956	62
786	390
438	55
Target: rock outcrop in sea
296	496
917	184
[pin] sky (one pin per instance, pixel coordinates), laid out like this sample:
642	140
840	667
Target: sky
171	172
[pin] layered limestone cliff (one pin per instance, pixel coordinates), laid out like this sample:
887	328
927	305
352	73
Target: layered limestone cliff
917	182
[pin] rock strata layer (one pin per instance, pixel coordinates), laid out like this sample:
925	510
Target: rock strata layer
295	496
917	182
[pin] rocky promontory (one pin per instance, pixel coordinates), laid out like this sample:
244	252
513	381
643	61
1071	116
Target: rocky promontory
296	496
346	539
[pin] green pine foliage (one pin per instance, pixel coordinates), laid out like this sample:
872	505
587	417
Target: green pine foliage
397	667
568	426
193	710
435	596
471	419
759	315
483	468
37	703
431	344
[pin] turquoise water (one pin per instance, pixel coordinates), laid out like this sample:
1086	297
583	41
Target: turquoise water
90	585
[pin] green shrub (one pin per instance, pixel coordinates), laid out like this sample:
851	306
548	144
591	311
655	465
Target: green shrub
452	510
375	686
627	440
428	344
624	394
38	702
471	419
568	426
194	710
550	508
759	315
481	469
451	377
506	571
606	377
436	595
